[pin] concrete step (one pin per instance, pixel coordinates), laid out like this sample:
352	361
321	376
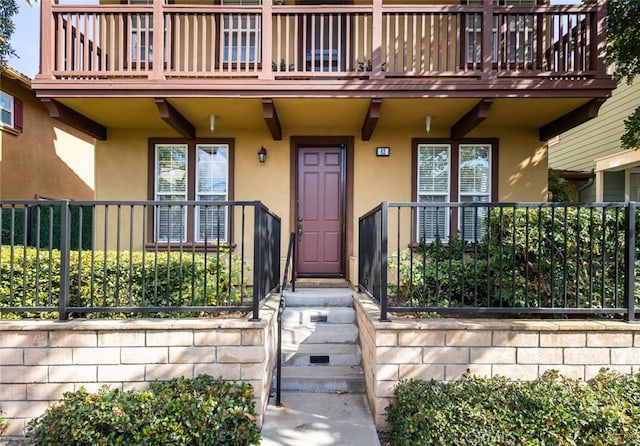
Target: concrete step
320	297
321	355
331	315
319	334
323	379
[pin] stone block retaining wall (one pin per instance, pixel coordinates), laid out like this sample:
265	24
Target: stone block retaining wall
444	349
40	360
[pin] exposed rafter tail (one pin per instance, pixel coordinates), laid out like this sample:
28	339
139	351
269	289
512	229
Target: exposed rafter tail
74	119
371	119
472	119
270	115
572	119
175	119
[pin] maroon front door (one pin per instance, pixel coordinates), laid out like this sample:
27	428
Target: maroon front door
320	205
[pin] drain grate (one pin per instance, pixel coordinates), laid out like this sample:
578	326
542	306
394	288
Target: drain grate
318	318
319	359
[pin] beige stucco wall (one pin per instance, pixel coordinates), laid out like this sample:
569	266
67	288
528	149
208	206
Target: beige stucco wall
122	171
47	159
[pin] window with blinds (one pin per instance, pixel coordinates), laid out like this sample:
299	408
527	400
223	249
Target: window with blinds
191	171
439	168
6	109
241	34
211	185
141	34
171	185
474	180
434	180
513	36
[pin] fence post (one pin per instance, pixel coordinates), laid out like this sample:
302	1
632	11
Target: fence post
384	246
257	259
65	246
630	260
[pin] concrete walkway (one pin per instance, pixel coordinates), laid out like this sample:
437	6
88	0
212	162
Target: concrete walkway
319	419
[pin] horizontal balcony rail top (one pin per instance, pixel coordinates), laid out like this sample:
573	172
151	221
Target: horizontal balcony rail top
140	258
517	259
365	41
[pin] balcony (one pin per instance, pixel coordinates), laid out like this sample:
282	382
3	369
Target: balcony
373	42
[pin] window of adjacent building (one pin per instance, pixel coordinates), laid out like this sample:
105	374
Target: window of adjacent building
193	171
10	111
7	109
452	172
241	37
634	185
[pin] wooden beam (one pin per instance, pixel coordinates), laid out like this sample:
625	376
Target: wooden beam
74	119
175	119
472	119
270	115
371	119
572	119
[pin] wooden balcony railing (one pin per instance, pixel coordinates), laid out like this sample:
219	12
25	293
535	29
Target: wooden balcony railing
267	41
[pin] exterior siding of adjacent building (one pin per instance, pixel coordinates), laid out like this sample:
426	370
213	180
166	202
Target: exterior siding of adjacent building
580	147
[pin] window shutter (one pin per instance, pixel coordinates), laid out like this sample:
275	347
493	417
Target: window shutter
17	114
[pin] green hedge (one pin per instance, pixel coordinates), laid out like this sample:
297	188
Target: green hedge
180	412
42	224
552	410
526	258
31	278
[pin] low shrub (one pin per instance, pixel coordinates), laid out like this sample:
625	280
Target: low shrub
180	412
31	278
552	410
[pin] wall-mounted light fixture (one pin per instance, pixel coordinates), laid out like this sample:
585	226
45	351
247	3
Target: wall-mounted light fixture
427	123
262	155
212	123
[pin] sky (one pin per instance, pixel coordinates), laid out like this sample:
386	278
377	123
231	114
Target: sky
26	39
26	36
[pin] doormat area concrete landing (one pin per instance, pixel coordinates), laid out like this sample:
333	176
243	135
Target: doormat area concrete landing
313	282
319	419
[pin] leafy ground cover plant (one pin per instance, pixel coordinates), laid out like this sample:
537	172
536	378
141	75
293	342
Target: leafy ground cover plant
180	412
552	410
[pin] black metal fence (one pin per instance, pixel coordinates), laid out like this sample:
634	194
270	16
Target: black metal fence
502	258
91	258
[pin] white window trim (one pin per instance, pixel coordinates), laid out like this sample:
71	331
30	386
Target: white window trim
158	194
484	194
627	181
447	195
191	223
224	195
11	110
451	146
